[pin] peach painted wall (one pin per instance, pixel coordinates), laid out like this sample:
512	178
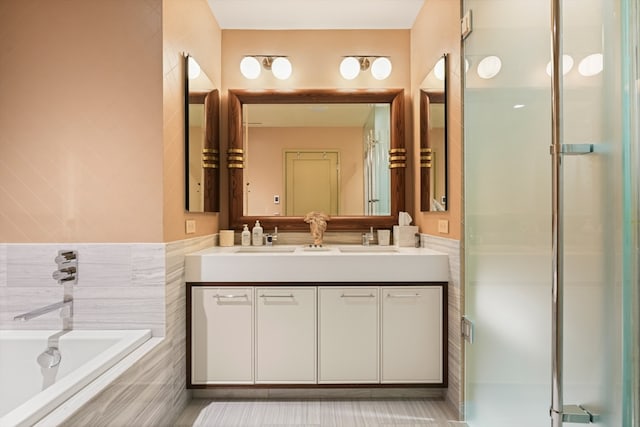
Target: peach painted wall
265	164
80	121
188	27
315	56
437	31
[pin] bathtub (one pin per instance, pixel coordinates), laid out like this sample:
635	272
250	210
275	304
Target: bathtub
28	392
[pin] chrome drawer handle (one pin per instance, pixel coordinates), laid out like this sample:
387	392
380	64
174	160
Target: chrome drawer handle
416	295
277	296
230	296
357	296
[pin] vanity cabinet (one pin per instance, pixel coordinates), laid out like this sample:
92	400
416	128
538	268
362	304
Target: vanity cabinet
348	335
285	335
412	334
222	335
327	334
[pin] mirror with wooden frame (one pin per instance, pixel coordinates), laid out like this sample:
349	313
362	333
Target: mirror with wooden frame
202	140
433	139
251	199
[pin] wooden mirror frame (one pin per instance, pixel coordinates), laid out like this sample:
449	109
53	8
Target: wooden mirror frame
235	154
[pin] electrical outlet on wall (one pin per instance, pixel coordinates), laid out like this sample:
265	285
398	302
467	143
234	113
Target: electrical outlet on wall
443	226
190	226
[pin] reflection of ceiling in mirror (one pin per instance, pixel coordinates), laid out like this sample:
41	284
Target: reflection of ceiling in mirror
307	115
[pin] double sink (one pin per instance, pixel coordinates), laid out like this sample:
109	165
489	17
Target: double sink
324	264
352	249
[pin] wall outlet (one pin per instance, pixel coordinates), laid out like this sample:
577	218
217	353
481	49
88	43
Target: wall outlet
276	199
443	226
190	226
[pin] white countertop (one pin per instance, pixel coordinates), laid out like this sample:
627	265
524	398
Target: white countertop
334	263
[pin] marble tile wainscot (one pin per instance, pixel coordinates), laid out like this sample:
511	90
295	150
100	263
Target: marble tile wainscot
454	394
149	280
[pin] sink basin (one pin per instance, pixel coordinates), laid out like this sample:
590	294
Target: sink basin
265	250
368	249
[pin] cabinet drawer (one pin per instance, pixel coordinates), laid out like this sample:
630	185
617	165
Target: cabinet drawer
222	335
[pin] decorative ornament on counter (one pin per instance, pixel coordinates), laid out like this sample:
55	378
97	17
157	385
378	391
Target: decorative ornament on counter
318	224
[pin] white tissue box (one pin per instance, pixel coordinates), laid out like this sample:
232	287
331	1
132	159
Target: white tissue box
405	235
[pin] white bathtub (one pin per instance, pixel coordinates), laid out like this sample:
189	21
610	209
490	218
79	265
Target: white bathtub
85	356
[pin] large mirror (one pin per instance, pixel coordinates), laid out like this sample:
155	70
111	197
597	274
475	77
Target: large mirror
336	151
202	129
433	138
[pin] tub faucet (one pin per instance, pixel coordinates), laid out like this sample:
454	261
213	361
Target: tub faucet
66	306
67	271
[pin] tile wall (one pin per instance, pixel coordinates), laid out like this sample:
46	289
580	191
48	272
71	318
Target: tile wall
121	286
454	394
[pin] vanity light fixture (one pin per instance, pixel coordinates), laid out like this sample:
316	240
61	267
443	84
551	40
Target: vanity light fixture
252	65
351	66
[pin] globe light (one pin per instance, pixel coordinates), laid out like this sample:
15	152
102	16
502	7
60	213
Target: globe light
250	67
381	68
281	68
350	68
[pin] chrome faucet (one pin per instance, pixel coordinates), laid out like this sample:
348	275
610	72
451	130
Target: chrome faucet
66	306
367	237
270	239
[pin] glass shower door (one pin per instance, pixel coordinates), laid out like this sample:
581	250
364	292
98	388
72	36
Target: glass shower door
508	204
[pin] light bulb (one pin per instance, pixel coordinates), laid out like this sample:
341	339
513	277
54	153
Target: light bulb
281	68
350	68
381	68
250	67
591	65
489	67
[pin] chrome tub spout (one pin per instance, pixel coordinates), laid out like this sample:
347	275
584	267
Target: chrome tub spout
66	306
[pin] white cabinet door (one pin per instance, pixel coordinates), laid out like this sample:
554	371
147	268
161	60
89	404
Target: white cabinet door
348	332
286	335
412	334
221	335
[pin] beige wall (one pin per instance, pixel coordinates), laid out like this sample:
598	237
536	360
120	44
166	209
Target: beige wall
315	57
437	31
265	166
87	151
80	121
188	27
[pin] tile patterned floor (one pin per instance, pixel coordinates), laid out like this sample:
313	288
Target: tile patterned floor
318	413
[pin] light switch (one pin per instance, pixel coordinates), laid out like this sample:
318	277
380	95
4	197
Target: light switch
190	226
466	25
443	226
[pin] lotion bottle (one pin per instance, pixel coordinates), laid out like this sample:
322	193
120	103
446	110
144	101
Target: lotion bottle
246	236
257	234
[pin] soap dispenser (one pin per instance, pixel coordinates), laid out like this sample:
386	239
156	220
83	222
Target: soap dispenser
256	232
246	236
